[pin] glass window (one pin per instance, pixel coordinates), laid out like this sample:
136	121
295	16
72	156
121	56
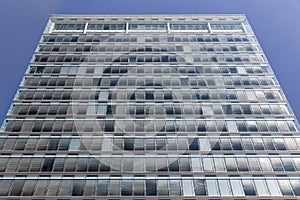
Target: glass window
237	189
200	187
261	187
242	164
126	188
74	145
90	188
212	187
53	187
208	164
265	164
274	187
230	164
288	164
249	187
276	164
151	189
139	186
296	186
196	165
285	187
41	187
236	144
188	188
4	187
225	188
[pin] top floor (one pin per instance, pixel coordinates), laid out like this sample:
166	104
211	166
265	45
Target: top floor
149	23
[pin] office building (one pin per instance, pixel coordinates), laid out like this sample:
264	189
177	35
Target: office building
149	107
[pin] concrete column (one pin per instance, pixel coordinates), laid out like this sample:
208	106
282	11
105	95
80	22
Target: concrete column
209	27
244	27
85	27
168	27
127	27
51	27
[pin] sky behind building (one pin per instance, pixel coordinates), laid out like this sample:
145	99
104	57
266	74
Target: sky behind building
275	23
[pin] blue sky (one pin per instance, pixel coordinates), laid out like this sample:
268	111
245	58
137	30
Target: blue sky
275	23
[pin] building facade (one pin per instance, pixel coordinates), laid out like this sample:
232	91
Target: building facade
149	107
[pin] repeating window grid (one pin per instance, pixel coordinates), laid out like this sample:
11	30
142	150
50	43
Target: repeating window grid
145	58
153	187
106	94
156	71
142	109
157	143
148	48
96	38
204	164
180	126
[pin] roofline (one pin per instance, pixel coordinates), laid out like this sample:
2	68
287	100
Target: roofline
145	15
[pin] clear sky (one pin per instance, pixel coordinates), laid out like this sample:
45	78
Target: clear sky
275	23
